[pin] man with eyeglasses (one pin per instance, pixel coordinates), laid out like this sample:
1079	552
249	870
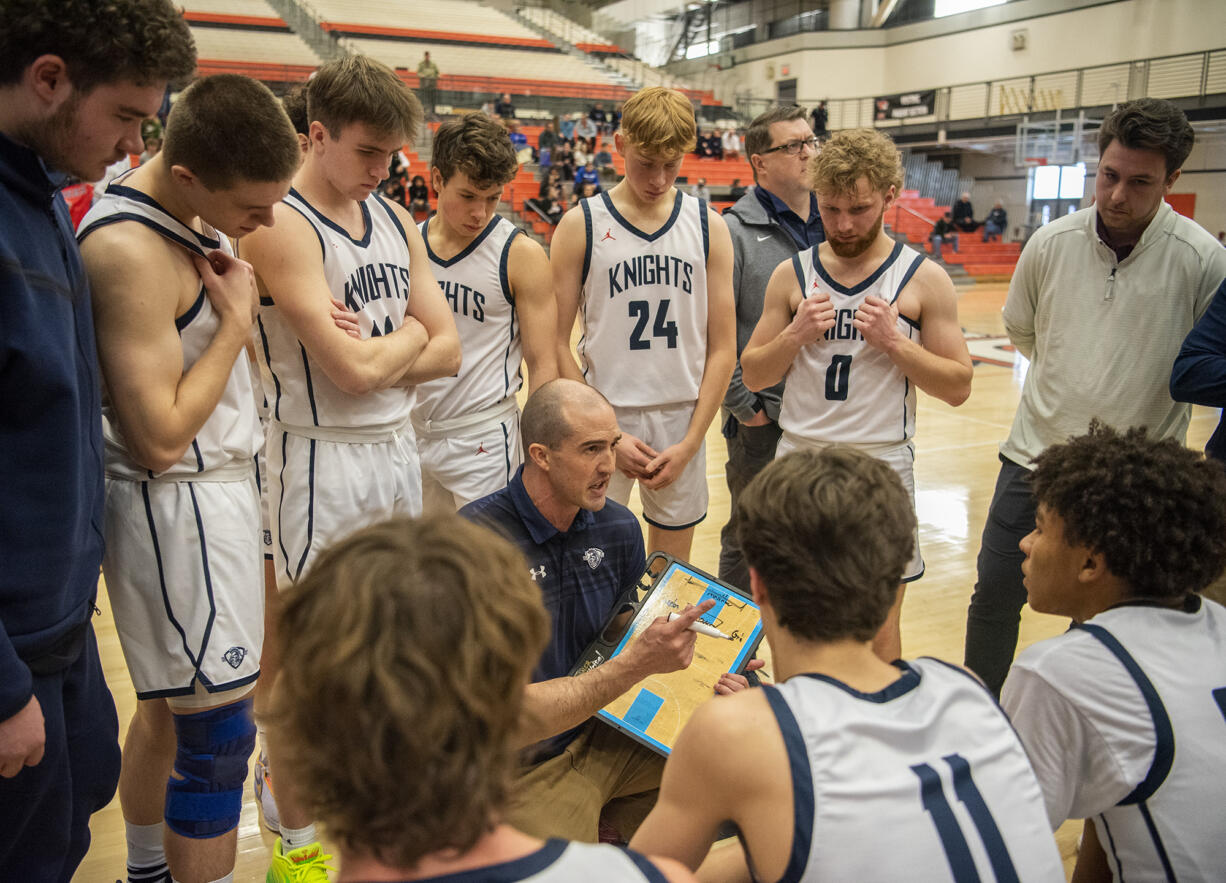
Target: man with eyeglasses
776	218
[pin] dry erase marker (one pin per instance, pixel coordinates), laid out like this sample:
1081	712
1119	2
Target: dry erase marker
702	628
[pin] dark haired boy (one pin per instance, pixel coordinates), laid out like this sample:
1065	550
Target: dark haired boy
1100	302
173	311
76	79
851	768
1123	715
497	284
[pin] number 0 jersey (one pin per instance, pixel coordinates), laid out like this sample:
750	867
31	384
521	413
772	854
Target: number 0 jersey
923	780
643	305
371	277
841	388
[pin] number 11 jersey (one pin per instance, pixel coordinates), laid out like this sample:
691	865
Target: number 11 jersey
841	388
643	304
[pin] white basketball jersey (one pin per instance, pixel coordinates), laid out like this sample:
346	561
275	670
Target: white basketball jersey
476	287
371	276
559	861
231	435
840	388
1152	685
924	780
643	307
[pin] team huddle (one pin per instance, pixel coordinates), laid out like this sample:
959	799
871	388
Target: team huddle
302	387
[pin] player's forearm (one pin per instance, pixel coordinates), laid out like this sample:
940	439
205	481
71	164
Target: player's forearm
359	367
439	358
567	366
554	706
947	379
766	364
160	437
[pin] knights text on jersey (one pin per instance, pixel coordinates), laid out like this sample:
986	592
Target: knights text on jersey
923	780
370	276
477	289
1140	695
840	388
231	435
643	306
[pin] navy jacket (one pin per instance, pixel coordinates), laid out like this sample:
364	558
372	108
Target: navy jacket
51	488
1200	368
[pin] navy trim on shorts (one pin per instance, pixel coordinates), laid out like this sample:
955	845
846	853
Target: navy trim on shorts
587	247
157	556
328	222
650	237
859	286
199	458
323	251
506	448
306	368
281	507
276	382
1111	842
1157	841
646	868
208	583
191	312
802	784
706	233
306	549
699	520
1164	733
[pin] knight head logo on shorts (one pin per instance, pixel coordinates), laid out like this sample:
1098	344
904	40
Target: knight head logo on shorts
537	572
234	656
268	538
593	557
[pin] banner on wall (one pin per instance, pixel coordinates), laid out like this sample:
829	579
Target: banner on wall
904	105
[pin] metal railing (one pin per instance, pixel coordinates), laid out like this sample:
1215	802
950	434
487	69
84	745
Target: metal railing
1192	75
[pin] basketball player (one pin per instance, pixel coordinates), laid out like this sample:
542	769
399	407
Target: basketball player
842	322
497	284
649	269
341	451
76	79
1123	714
851	768
173	313
441	628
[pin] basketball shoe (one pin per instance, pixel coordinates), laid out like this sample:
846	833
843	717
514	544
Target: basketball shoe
262	783
306	864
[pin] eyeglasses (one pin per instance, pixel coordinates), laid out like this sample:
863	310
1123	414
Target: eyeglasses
793	148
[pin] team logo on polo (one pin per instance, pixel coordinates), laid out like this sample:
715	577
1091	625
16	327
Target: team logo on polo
234	656
593	557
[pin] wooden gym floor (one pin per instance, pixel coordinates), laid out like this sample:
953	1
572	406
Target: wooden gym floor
955	468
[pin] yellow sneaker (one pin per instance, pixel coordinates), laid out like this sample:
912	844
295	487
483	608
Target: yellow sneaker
306	864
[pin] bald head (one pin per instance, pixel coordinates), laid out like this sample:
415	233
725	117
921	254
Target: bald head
552	413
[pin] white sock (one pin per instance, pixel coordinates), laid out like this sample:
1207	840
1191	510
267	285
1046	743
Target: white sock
146	855
292	838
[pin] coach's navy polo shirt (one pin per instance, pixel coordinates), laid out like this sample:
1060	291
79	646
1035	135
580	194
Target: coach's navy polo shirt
805	234
581	572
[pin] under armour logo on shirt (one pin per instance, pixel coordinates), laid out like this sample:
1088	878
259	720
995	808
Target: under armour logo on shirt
608	234
537	572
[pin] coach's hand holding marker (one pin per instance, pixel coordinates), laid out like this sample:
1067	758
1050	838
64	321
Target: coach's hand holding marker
667	644
701	627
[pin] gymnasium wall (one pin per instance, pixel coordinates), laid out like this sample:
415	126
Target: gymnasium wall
968	48
1205	175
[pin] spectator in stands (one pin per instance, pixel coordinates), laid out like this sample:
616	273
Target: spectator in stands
964	214
419	195
588	175
504	108
582	191
394	190
701	190
731	142
152	146
996	222
549	205
715	143
566	128
518	139
427	79
943	231
599	117
736	190
563	159
820	118
616	119
585	128
580	154
548	139
551	177
604	160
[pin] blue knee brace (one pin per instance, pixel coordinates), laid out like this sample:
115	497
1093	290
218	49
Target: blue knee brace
214	747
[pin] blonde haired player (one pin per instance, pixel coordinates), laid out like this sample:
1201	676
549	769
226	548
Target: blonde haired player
843	322
649	271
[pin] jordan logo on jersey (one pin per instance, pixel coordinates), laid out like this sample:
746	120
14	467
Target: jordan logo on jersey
651	269
608	234
464	300
481	449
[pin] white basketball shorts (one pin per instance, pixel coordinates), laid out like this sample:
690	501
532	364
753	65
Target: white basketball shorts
684	502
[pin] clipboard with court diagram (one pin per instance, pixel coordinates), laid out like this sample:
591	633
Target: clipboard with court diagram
655	710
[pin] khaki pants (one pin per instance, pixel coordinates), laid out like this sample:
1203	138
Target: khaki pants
600	772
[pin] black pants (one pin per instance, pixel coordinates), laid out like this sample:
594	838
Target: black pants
750	448
996	606
45	809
